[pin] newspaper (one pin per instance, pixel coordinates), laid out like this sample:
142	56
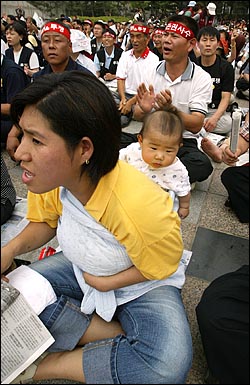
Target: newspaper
215	138
23	336
16	223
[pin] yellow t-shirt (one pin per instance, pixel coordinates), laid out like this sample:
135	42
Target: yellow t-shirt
135	210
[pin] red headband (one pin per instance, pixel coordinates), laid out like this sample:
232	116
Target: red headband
109	34
159	32
55	27
180	29
139	28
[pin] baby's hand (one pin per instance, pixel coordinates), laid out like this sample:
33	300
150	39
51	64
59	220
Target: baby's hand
183	213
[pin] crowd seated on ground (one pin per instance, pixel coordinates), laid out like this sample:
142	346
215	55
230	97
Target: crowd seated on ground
111	48
110	42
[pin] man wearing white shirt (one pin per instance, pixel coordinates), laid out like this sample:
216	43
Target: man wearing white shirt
106	60
178	81
133	68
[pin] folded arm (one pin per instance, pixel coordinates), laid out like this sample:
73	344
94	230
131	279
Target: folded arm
116	281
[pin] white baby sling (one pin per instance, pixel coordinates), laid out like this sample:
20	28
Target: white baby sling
92	248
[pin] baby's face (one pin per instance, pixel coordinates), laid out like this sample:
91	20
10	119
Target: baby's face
159	150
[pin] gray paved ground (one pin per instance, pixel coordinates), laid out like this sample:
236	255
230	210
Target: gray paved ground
207	211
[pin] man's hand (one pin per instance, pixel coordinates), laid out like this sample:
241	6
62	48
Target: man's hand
229	157
145	98
210	124
125	107
163	100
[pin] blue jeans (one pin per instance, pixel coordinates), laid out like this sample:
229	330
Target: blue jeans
157	347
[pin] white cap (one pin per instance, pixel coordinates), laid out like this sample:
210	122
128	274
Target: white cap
211	8
192	3
79	41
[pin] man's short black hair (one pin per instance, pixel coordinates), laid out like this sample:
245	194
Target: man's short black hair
209	31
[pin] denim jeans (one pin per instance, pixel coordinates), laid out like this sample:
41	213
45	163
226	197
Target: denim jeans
157	347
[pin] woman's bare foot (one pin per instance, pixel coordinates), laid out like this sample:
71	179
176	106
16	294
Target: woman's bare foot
213	151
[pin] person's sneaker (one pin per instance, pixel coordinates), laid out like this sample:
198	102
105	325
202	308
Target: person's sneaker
27	375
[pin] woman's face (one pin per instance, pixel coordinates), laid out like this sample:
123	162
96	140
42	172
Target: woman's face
44	157
13	38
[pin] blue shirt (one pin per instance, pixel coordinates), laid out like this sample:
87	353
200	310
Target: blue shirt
71	66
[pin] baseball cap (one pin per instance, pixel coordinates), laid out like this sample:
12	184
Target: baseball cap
192	3
211	8
66	18
110	32
101	22
87	21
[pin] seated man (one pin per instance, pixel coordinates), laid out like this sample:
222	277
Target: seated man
106	60
13	80
218	120
179	82
96	40
55	36
235	179
133	69
242	84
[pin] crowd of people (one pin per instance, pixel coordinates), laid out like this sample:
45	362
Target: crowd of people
67	90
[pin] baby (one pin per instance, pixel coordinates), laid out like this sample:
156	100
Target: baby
155	155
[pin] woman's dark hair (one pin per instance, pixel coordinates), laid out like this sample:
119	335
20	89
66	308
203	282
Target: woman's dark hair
76	105
168	121
186	20
20	28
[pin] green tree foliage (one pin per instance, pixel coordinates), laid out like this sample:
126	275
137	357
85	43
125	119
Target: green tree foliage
228	9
